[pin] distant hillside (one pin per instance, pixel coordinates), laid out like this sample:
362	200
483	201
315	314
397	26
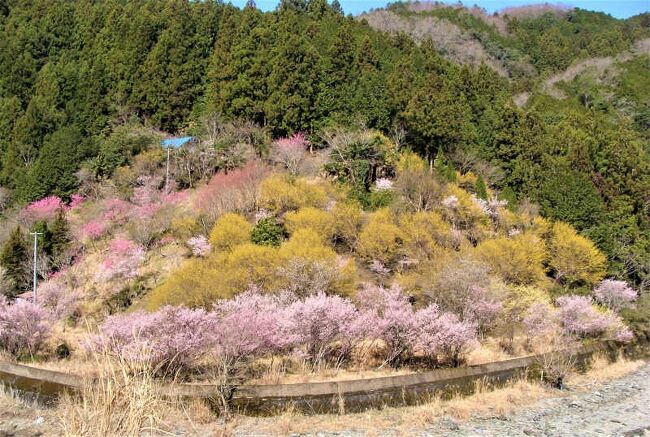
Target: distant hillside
519	42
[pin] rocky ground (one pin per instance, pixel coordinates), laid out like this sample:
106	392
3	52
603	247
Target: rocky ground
616	408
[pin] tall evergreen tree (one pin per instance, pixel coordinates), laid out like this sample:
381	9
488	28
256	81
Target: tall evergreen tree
14	258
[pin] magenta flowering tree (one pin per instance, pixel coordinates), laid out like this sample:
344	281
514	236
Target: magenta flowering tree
93	230
199	246
316	324
75	201
122	260
43	209
443	334
167	339
227	192
291	152
24	326
614	294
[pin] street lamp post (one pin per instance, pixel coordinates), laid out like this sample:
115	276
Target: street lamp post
35	234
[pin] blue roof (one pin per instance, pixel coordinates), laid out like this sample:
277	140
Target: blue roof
175	143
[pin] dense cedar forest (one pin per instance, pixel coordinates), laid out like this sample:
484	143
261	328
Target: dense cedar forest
77	77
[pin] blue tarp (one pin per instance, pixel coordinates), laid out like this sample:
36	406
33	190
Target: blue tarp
175	143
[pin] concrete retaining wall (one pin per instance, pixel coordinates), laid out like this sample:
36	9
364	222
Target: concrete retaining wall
317	397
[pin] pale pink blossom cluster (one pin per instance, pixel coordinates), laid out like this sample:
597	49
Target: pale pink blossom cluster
383	184
450	202
481	308
575	317
616	295
122	260
490	207
168	339
199	245
60	300
24	326
94	229
291	151
319	327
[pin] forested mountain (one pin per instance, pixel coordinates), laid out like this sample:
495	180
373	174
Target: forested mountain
76	77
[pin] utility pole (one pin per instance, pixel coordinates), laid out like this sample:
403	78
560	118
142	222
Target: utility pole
35	234
167	175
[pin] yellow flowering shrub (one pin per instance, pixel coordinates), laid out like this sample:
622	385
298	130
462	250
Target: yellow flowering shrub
380	238
315	219
280	194
229	231
517	260
573	258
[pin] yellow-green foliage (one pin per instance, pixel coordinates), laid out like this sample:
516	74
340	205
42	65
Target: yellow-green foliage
184	227
220	276
424	232
467	180
380	238
347	221
280	194
194	283
315	219
573	258
409	160
306	244
519	298
229	231
517	260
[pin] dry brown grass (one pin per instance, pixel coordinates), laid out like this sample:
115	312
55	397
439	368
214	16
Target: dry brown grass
601	370
487	401
123	400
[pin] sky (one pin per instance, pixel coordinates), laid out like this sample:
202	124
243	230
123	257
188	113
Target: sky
616	8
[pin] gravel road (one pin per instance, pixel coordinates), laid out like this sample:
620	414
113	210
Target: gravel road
616	408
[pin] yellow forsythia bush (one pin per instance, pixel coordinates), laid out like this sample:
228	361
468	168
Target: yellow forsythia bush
315	219
424	232
199	282
573	258
306	244
229	231
347	221
380	238
517	260
280	194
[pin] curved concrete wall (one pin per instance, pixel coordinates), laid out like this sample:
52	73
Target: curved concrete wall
316	397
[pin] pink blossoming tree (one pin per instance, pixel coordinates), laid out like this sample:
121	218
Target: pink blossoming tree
167	339
291	152
24	326
616	295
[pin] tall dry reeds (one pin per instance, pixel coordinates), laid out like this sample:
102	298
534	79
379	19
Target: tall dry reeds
123	399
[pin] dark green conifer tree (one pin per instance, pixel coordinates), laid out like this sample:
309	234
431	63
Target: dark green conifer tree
14	258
